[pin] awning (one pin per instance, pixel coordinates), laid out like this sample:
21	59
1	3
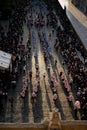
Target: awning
5	60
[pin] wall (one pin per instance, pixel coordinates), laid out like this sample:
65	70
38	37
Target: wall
81	4
74	125
66	125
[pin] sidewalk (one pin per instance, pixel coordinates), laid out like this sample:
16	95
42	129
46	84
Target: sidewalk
78	20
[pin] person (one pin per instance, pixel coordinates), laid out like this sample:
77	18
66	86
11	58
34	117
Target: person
11	100
44	75
48	68
33	97
37	74
24	69
55	63
30	74
13	83
1	106
45	57
69	98
37	67
50	35
77	106
22	94
83	117
35	89
54	89
54	96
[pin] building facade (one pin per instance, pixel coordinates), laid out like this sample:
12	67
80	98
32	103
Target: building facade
81	4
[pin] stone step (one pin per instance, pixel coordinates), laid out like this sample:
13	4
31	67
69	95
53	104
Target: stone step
43	89
61	94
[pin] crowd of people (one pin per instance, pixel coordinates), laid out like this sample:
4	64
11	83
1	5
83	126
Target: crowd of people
11	42
67	43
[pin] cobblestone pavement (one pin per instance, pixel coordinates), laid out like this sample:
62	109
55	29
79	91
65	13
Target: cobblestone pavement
23	110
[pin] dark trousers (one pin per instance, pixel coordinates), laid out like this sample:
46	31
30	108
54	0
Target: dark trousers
75	112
